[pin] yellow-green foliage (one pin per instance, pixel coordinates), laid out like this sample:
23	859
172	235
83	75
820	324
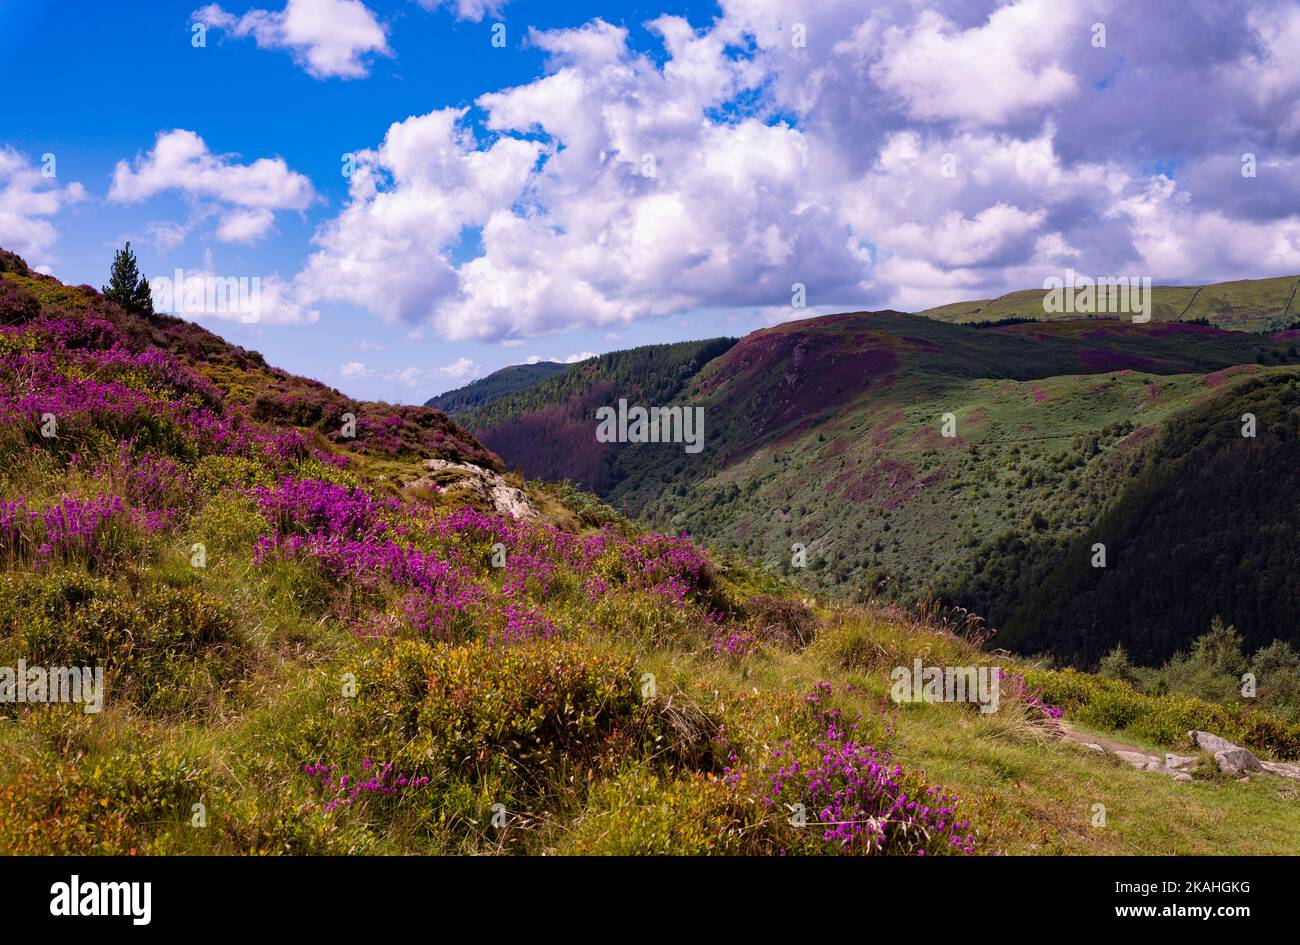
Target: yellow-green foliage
161	648
50	292
105	806
477	708
644	813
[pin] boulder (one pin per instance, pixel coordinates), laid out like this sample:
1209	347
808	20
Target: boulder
1211	743
1181	762
1232	759
1236	760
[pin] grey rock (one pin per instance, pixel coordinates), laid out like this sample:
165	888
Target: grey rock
1211	743
1136	759
1282	770
1236	760
1181	762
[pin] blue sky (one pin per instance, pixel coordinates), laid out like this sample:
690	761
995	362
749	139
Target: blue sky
883	155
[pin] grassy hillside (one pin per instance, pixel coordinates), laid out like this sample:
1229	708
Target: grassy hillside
1258	305
498	384
310	647
825	460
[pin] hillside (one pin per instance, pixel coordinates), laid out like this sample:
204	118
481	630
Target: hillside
331	644
827	434
1258	305
498	384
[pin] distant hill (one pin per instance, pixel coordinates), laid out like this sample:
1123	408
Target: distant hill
498	384
826	434
1258	305
548	429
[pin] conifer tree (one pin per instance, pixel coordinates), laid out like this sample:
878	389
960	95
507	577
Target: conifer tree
126	286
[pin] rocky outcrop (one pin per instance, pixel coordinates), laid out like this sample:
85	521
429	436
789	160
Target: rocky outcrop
1232	759
488	487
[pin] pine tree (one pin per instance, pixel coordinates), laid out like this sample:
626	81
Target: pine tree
126	286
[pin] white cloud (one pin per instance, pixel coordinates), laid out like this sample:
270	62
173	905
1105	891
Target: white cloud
988	74
27	198
245	225
910	154
245	196
459	370
583	356
327	38
166	235
409	377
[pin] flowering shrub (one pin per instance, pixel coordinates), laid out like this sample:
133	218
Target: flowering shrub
68	529
734	643
855	797
336	791
1012	686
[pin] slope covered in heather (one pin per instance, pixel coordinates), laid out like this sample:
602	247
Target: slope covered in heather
309	644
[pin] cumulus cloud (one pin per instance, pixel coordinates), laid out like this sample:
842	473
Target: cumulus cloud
1008	66
245	196
900	155
327	38
27	198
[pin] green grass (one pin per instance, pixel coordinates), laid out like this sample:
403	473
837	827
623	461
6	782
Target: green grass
1258	305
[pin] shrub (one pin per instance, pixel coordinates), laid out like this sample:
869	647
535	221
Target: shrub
521	710
118	804
641	813
853	797
161	648
17	305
